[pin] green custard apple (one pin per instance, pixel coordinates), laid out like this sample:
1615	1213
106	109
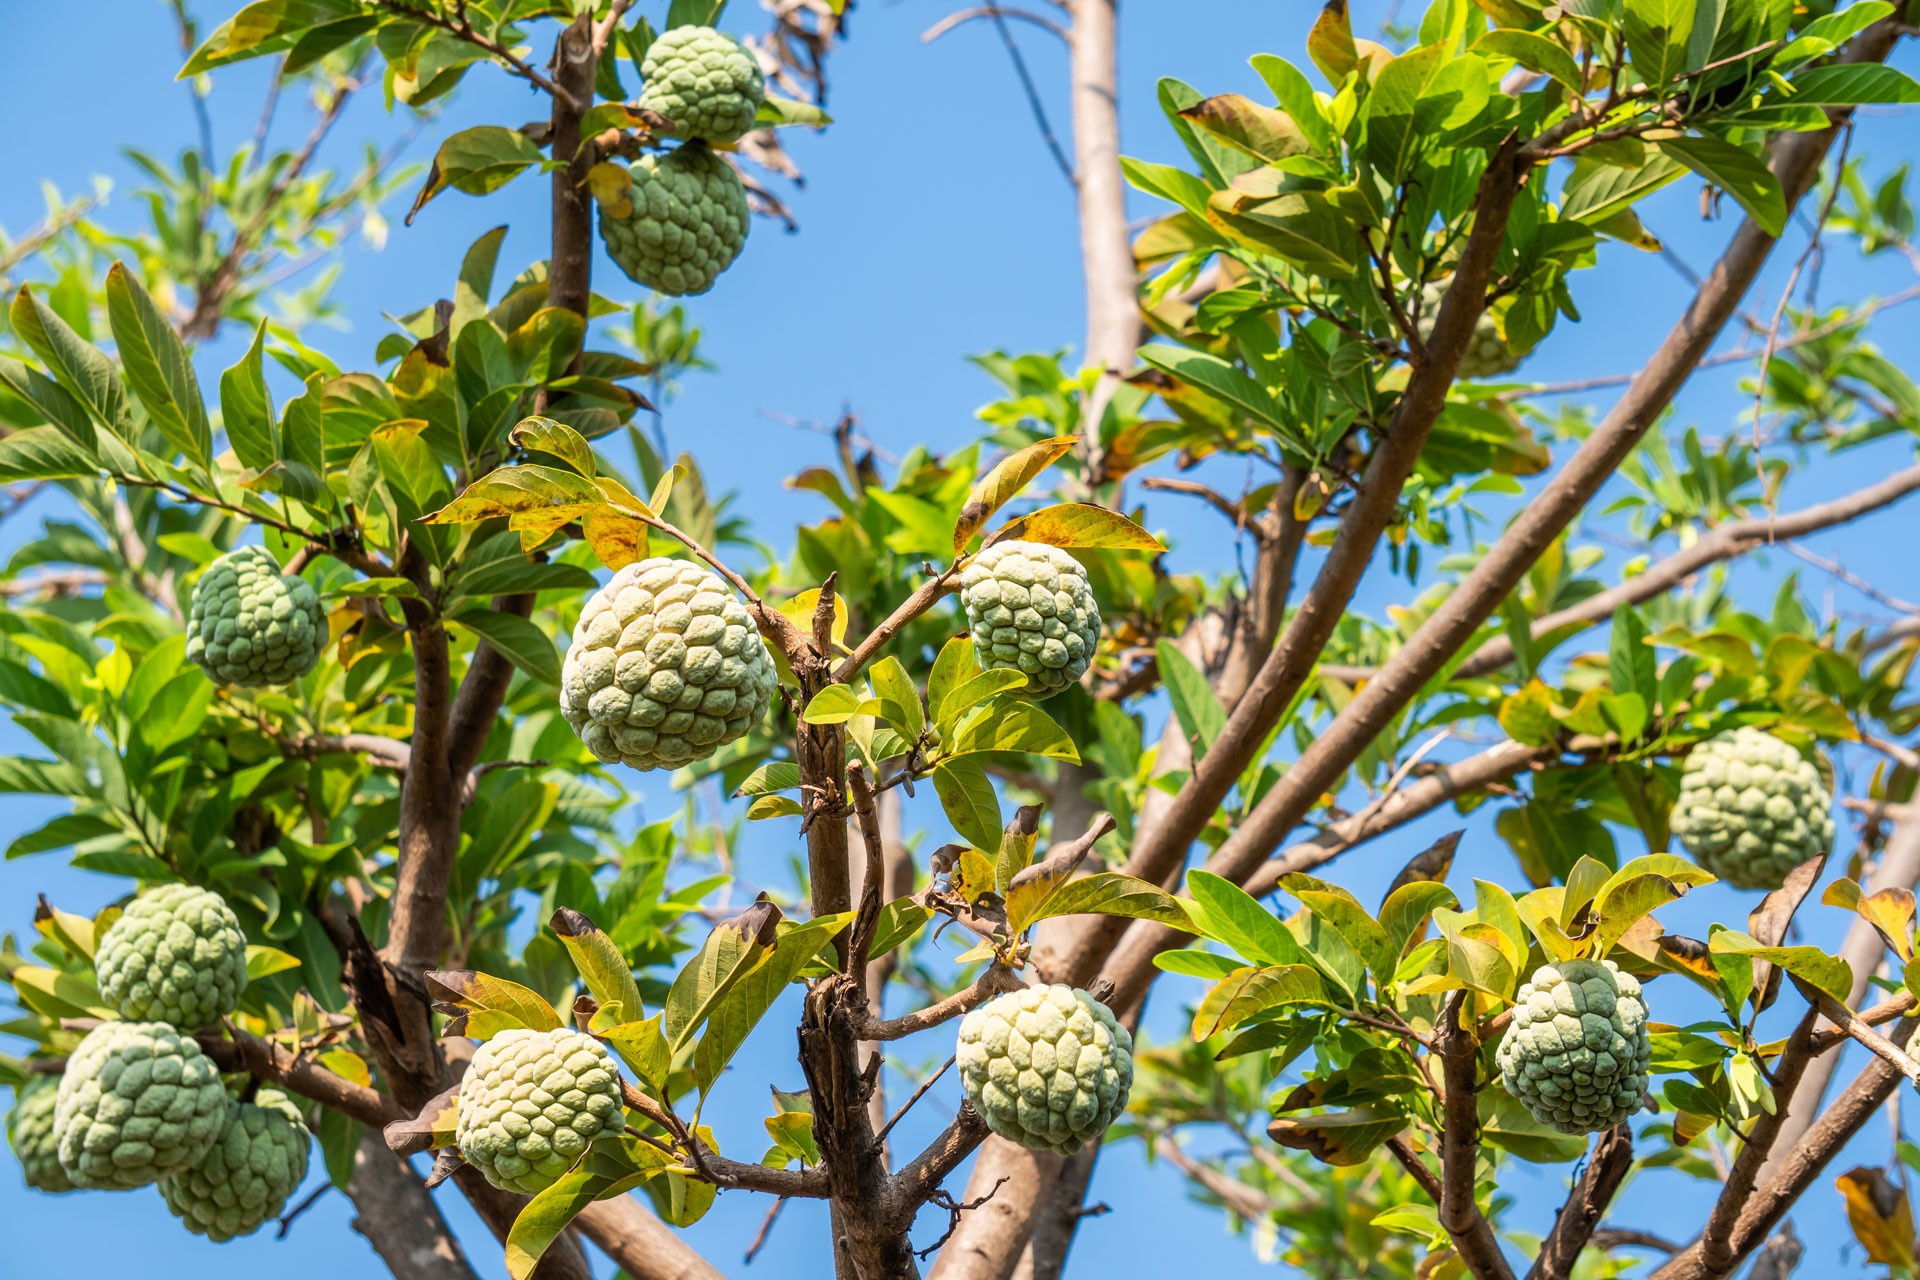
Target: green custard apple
1751	808
688	223
1577	1049
246	1177
1030	608
30	1134
1048	1067
665	668
1488	355
703	80
175	955
531	1102
139	1101
252	626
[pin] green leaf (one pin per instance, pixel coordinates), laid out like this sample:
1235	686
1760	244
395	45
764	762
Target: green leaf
1534	52
835	704
643	1047
988	684
1013	726
1657	33
1294	92
266	26
518	640
246	408
967	795
1596	193
1247	993
477	161
544	435
777	775
599	961
1392	110
740	1009
1350	920
1738	172
1825	973
1229	914
264	961
157	367
77	365
43	453
1195	705
779	113
1111	893
732	949
483	1004
899	700
1217	378
1174	185
1004	483
1854	84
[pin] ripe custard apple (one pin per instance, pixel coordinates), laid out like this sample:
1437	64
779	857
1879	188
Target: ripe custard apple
1751	808
243	1182
252	626
530	1103
1487	355
1576	1051
138	1101
704	81
1030	608
688	223
30	1133
666	667
1048	1067
175	955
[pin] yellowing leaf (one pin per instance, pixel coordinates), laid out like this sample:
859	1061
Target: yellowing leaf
1003	483
1079	524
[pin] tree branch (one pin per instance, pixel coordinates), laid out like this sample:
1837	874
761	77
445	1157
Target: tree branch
400	1219
993	981
1573	1227
1459	1051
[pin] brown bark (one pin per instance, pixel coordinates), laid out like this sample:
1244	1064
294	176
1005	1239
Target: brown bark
1458	1049
399	1218
1106	253
1607	1168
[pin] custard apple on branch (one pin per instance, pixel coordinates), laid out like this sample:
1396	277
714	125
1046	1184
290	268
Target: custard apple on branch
250	626
1488	353
1048	1067
246	1177
30	1134
687	224
1030	608
666	667
139	1101
175	955
704	81
1751	808
1577	1049
531	1102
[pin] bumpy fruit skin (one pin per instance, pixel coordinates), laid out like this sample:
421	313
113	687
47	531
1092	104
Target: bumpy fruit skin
251	626
688	223
665	667
704	81
1751	808
138	1101
175	955
1576	1051
1048	1067
30	1133
1487	355
1030	608
243	1182
530	1103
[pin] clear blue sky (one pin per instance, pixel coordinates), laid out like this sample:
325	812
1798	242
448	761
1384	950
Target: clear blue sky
933	225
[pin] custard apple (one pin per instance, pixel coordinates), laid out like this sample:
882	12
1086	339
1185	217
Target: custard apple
1048	1067
1751	808
1487	355
1576	1051
1030	608
30	1133
252	626
138	1101
704	81
531	1102
243	1182
688	222
665	668
175	955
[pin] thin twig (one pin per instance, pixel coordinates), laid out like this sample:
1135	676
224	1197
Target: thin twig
1027	86
918	1094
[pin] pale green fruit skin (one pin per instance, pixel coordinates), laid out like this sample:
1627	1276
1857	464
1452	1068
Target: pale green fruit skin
30	1134
704	81
688	223
1751	808
1487	355
138	1101
1576	1051
243	1182
531	1102
1048	1067
250	626
665	668
1031	609
175	955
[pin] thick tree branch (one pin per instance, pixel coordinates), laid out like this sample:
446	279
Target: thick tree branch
400	1219
1459	1051
268	1061
1106	251
1606	1169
